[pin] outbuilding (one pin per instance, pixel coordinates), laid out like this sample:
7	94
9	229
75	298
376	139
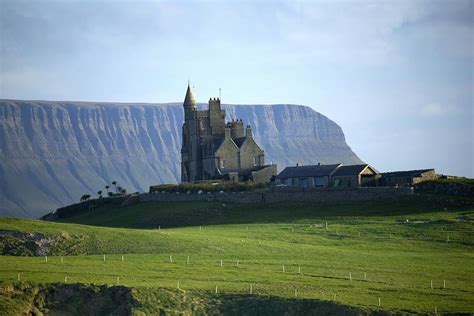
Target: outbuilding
307	176
356	176
407	178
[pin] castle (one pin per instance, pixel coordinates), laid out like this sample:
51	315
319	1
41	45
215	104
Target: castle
213	149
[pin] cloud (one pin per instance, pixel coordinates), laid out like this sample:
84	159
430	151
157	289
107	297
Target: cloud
15	83
437	110
433	109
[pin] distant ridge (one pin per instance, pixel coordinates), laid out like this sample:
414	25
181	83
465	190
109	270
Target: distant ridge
52	152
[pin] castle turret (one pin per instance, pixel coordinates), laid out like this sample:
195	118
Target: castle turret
216	116
237	129
189	103
189	149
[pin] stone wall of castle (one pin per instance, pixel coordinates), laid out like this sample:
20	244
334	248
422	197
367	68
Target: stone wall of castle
211	147
251	155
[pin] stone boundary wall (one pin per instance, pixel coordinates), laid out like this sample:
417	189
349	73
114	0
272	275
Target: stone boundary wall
448	188
285	194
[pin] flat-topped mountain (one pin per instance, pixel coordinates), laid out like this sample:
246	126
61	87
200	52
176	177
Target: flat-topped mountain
54	152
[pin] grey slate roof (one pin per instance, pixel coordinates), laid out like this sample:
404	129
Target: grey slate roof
189	98
408	173
308	171
239	141
351	170
217	142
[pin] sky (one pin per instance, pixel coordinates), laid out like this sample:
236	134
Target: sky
397	76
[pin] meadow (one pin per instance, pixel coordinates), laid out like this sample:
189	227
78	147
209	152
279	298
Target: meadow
410	255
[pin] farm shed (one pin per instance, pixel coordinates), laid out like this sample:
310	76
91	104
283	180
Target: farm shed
356	176
407	178
307	176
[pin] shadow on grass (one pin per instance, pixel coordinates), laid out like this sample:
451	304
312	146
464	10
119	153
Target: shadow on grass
152	215
89	299
237	304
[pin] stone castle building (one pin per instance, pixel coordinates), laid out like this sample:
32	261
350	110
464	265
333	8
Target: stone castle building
213	149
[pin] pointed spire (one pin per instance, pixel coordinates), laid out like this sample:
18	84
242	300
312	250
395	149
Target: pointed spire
189	99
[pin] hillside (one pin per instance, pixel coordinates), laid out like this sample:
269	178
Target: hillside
292	259
54	152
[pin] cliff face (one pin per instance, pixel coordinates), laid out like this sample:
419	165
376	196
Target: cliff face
53	152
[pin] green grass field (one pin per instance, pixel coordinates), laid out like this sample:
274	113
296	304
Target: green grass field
367	251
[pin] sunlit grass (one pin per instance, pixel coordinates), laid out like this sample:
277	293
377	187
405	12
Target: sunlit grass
356	260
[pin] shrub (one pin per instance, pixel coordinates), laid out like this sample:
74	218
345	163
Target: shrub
208	186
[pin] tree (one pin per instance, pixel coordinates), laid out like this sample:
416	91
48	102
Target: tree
123	191
99	193
114	183
85	197
107	188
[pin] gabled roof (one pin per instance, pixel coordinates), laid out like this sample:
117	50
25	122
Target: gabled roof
219	142
308	171
239	141
408	173
352	170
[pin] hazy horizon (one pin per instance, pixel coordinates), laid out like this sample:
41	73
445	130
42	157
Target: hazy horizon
397	76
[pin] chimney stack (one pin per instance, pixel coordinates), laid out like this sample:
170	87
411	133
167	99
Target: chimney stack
249	133
227	132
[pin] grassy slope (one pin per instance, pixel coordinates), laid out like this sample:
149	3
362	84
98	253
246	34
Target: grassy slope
400	260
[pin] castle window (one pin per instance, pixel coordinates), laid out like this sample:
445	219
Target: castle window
255	161
222	163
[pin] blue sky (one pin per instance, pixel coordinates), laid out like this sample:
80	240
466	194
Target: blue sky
396	75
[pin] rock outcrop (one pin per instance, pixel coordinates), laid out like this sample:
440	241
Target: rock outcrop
54	152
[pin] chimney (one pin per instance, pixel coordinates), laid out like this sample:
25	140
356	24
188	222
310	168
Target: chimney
227	132
249	133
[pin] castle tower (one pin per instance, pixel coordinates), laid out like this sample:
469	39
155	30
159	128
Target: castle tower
216	117
190	138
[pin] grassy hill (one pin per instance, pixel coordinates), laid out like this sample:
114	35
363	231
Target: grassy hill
283	253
